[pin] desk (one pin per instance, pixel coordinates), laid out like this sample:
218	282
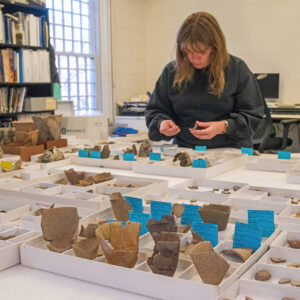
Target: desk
285	116
20	282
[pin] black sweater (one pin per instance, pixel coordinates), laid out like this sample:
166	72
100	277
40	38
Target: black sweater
240	104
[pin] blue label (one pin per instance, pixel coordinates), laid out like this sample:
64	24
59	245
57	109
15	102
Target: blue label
284	155
83	153
110	221
158	209
208	231
248	151
200	148
190	214
128	156
155	156
95	154
135	203
263	219
199	163
161	148
140	218
247	236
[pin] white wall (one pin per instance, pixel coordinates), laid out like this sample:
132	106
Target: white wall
128	48
265	33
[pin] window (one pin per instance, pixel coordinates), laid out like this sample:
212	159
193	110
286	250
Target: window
73	35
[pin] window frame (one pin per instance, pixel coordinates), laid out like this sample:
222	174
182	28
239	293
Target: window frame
94	28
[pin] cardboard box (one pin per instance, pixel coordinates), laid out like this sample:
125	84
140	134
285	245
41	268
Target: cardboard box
40	104
23	125
56	143
24	151
94	128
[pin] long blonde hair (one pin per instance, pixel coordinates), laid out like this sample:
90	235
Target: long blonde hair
201	27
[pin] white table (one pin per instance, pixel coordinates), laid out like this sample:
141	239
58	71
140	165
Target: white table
20	282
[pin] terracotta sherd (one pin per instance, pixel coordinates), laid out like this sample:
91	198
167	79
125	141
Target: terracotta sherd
120	206
87	248
119	244
216	214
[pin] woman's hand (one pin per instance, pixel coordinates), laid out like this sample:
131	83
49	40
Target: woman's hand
168	128
210	130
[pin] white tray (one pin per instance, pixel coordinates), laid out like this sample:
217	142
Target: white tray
167	168
140	279
293	175
277	272
240	207
9	249
288	214
271	164
283	237
14	211
205	189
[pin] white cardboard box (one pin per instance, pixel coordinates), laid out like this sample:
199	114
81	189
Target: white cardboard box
94	128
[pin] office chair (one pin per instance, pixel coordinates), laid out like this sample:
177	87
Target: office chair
265	139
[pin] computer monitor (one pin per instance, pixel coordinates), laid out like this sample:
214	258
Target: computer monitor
268	84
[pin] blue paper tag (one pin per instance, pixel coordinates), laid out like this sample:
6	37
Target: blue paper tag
247	236
83	153
263	219
199	163
95	154
135	203
200	148
158	209
128	156
208	231
284	155
110	221
248	151
190	214
155	156
140	218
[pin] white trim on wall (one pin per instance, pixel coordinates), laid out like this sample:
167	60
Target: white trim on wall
105	60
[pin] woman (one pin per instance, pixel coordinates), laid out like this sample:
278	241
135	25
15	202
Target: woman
206	96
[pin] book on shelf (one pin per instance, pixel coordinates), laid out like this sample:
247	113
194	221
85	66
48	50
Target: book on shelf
23	29
12	99
24	65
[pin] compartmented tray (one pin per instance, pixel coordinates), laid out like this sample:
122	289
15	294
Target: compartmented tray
242	289
281	261
10	248
282	240
288	257
186	283
11	210
277	272
54	164
271	194
207	190
271	164
240	207
220	162
94	196
33	222
290	214
116	150
293	175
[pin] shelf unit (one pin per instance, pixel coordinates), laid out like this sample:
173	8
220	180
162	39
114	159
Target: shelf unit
34	89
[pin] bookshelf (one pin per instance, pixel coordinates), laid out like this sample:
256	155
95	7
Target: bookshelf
33	77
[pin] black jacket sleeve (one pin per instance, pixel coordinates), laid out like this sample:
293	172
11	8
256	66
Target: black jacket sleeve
249	109
160	107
